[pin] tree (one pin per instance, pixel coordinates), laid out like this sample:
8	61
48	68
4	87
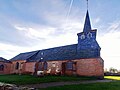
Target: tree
113	70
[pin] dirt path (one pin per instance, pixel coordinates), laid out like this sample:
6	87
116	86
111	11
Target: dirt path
51	84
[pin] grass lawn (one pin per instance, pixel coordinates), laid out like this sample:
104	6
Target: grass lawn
93	86
28	79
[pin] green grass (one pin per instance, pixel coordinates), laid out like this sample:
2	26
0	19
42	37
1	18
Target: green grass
94	86
28	79
115	85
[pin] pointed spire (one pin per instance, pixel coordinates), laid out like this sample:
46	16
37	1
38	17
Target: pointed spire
87	25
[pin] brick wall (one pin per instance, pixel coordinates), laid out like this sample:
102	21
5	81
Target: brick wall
24	67
54	66
21	68
7	68
90	67
84	67
30	67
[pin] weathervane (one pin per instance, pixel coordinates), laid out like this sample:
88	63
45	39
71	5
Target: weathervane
87	4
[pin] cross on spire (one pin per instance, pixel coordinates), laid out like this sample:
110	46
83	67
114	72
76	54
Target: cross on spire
87	4
87	24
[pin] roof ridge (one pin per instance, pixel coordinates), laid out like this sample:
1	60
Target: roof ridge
33	54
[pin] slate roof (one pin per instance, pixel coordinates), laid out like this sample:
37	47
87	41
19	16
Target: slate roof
24	56
4	60
87	24
89	48
58	53
89	43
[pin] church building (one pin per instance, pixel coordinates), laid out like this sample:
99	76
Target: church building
81	59
5	66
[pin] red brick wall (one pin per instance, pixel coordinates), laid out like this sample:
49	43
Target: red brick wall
53	66
21	66
7	68
84	67
90	67
30	67
24	67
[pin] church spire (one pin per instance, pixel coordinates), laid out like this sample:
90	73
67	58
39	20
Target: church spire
87	25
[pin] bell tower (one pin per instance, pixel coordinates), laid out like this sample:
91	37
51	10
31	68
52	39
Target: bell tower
88	47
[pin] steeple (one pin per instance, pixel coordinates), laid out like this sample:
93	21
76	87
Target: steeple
87	46
87	25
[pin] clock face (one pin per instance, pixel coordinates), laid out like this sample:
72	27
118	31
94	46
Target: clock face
89	35
82	36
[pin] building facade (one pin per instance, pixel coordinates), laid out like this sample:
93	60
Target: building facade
5	66
82	59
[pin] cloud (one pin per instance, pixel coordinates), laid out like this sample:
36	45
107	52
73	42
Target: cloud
32	36
114	26
36	33
97	20
110	43
59	35
52	17
8	50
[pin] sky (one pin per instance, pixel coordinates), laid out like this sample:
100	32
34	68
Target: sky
29	25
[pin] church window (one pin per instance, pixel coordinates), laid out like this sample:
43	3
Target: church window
17	65
89	35
40	66
53	65
74	66
45	65
21	65
82	36
42	53
1	67
69	65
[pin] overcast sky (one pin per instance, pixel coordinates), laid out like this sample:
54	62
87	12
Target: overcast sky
29	25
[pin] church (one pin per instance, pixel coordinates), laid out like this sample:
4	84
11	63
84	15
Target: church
81	59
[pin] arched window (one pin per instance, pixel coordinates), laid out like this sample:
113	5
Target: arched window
82	36
1	67
89	35
40	66
45	65
17	65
